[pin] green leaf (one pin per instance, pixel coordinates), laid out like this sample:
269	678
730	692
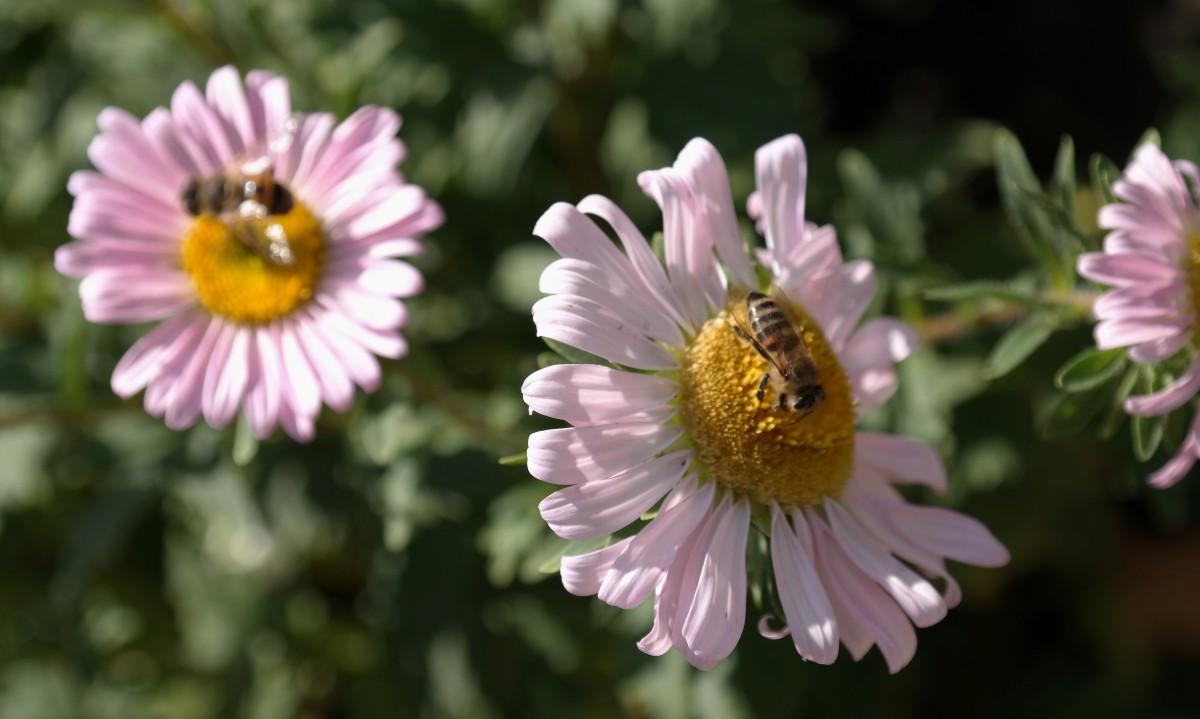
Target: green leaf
572	548
513	460
1069	413
1148	431
573	354
1064	175
1019	342
1150	136
1116	410
983	290
1104	173
245	444
1017	182
1147	435
1089	369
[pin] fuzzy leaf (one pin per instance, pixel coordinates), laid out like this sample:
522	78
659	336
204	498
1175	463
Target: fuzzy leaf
1089	369
1019	342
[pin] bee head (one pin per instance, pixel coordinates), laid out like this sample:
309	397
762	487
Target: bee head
190	202
808	397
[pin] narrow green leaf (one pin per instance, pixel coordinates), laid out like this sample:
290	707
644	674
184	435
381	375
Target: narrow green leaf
1069	413
245	444
1104	173
1147	435
571	549
1148	431
1089	369
1021	340
1017	181
1150	136
983	290
513	460
1064	176
1116	410
573	354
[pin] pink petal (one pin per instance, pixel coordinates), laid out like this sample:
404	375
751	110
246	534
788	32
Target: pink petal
916	596
128	295
1126	270
184	398
359	363
577	454
123	152
949	534
636	572
368	309
569	276
301	388
591	327
227	96
265	395
880	341
857	290
688	247
810	616
270	105
601	506
1169	398
1123	333
587	394
308	146
711	609
337	389
160	347
582	573
902	460
1159	350
392	278
197	123
646	265
702	164
781	168
862	609
383	342
226	377
1183	461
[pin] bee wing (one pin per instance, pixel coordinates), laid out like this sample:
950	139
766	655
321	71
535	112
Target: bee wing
746	335
265	238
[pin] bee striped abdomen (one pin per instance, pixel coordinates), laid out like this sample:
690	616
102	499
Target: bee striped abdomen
771	327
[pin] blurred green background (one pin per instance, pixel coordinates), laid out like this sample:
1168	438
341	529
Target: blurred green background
394	567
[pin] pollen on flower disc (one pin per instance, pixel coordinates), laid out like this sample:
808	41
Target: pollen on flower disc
231	280
750	446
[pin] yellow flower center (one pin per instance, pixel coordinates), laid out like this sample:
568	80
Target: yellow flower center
1192	267
235	282
751	446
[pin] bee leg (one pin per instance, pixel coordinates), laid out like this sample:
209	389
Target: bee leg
762	385
782	402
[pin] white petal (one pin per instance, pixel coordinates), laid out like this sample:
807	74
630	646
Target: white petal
576	454
601	506
809	615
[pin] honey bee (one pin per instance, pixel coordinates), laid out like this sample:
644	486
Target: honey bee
247	198
791	371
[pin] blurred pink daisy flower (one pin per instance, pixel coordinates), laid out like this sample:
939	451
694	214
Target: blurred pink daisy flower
1150	259
264	243
686	433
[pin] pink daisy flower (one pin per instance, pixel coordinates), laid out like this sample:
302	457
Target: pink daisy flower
1150	259
272	297
685	433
